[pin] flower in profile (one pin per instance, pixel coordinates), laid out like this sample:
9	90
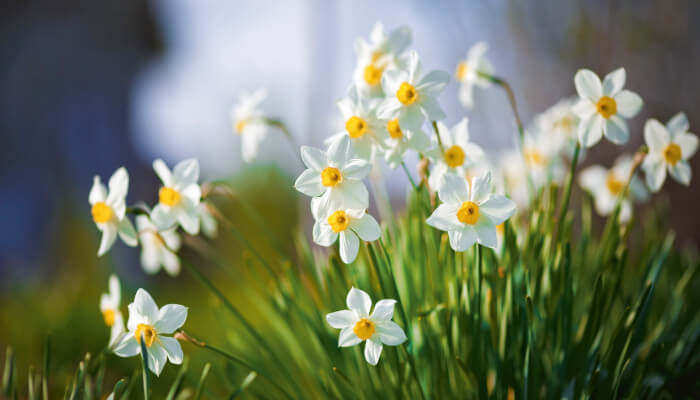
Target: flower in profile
151	324
375	56
109	210
400	140
109	306
345	225
607	185
559	124
158	247
207	221
459	153
361	124
670	147
470	215
603	107
249	122
468	70
179	197
411	97
358	325
336	175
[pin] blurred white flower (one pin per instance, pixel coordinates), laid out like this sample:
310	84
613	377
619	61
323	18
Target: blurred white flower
361	124
357	325
350	225
109	210
401	140
670	147
514	177
152	324
467	73
109	306
179	197
207	221
542	160
559	124
603	107
158	247
470	215
249	122
460	153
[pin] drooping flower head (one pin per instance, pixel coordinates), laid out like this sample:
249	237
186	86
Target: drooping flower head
670	147
179	196
249	123
109	210
358	325
361	124
459	155
468	76
109	306
158	247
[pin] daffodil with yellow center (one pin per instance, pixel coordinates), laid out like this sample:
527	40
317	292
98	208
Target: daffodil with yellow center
373	74
468	73
108	210
468	213
672	154
376	55
339	221
102	213
459	155
109	306
239	126
462	69
147	332
394	129
407	94
360	124
454	156
606	106
158	248
169	196
356	127
670	148
534	157
364	328
249	123
615	185
179	197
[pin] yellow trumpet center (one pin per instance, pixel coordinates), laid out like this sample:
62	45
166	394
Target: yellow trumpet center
606	106
394	129
356	127
468	213
373	74
169	196
462	69
407	94
331	176
102	213
672	153
148	332
534	157
454	156
339	221
109	316
239	126
364	328
565	123
614	185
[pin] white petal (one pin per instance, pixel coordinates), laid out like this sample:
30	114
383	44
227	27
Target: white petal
170	318
498	208
170	261
150	259
366	228
128	346
188	218
157	357
109	235
437	175
390	333
309	183
98	192
681	172
348	338
678	123
628	103
172	348
433	83
383	310
119	183
654	168
349	194
591	130
454	189
341	151
588	85
349	246
584	109
616	130
486	233
373	349
656	136
432	109
163	172
187	172
461	133
444	217
463	239
411	117
341	319
688	144
127	232
145	306
115	292
389	108
314	158
481	188
593	178
323	234
356	169
359	302
466	94
614	82
163	217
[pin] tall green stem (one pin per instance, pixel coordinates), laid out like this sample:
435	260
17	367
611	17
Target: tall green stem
408	174
564	206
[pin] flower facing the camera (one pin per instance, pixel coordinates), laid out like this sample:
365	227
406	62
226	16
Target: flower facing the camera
468	73
150	324
179	197
360	124
459	155
158	247
670	147
357	325
248	121
109	306
400	140
109	210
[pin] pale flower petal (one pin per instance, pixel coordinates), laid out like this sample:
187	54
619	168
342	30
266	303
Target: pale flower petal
616	130
341	319
614	82
390	333
383	310
688	144
172	348
170	318
588	85
656	135
498	208
348	338
681	172
373	349
145	306
628	103
359	302
349	246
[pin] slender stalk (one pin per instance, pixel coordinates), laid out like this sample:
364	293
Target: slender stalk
414	372
479	278
282	127
146	379
437	134
564	206
408	174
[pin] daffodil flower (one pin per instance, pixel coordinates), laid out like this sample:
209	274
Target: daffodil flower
559	126
179	196
470	216
336	175
542	158
410	95
348	225
249	122
459	153
109	306
358	325
603	107
468	76
361	124
400	140
670	147
607	185
152	324
109	210
158	247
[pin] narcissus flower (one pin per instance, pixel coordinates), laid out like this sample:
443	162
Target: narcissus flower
109	210
467	73
158	247
401	140
348	225
470	215
459	153
411	97
541	158
607	185
375	56
109	306
670	147
358	325
361	124
249	122
179	196
152	324
603	107
336	175
559	126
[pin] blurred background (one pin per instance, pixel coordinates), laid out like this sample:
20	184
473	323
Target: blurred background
86	87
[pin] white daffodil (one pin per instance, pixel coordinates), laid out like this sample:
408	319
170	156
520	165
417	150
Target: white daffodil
468	73
459	154
358	325
361	124
607	185
410	95
559	124
670	147
401	140
350	225
335	175
158	247
380	53
152	324
109	210
207	221
249	122
179	197
109	305
542	160
603	107
514	175
470	216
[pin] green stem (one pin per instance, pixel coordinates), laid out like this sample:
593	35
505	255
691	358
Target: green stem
437	134
146	380
564	206
408	174
479	278
414	372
